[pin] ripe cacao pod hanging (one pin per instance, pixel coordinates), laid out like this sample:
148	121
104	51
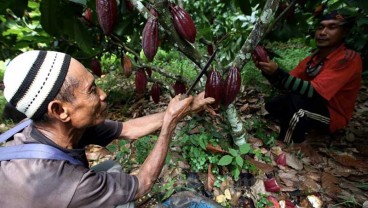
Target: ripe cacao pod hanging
259	54
127	66
232	85
155	92
107	15
214	87
210	49
140	81
179	87
183	23
150	39
96	67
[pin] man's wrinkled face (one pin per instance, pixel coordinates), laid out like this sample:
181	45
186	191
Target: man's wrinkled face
329	34
89	106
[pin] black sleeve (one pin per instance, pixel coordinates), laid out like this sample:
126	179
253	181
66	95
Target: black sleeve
103	133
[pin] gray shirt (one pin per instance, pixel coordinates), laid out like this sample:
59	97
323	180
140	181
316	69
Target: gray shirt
51	183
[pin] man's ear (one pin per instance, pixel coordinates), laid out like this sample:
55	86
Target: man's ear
58	110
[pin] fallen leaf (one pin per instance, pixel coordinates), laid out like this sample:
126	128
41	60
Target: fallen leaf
210	178
293	161
215	149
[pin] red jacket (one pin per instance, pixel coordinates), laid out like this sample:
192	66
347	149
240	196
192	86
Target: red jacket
338	82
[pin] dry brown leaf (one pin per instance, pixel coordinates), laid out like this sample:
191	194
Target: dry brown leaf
244	108
293	161
329	184
210	178
311	185
350	161
215	149
260	165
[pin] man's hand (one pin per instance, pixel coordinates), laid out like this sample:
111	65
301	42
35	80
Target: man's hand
178	107
199	102
269	67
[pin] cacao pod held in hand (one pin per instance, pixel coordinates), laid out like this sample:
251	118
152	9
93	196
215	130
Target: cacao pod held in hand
232	85
259	54
156	92
183	23
150	39
96	67
140	81
107	15
214	87
179	87
127	66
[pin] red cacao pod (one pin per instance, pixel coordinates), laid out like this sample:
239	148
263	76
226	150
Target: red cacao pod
183	23
88	15
96	67
259	54
155	92
179	87
214	87
107	15
127	66
232	85
271	185
281	159
140	81
150	39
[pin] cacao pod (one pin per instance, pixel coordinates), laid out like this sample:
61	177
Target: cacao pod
271	185
150	39
149	71
318	11
127	66
155	92
259	55
107	15
214	87
140	81
96	67
88	15
183	23
179	87
232	85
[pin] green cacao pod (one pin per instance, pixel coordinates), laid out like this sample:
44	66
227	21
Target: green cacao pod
179	87
140	81
183	23
126	65
214	87
96	67
232	85
107	15
150	39
155	92
259	54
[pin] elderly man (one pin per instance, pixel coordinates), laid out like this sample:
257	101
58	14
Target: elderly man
323	88
68	112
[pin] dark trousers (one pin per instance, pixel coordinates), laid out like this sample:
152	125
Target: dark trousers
297	114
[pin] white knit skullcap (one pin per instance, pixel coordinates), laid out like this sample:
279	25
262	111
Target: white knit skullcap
33	79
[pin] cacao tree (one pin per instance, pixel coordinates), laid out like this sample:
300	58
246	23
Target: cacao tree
85	30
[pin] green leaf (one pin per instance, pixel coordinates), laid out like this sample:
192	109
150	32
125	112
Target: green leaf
244	148
82	37
239	161
233	152
225	160
236	173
